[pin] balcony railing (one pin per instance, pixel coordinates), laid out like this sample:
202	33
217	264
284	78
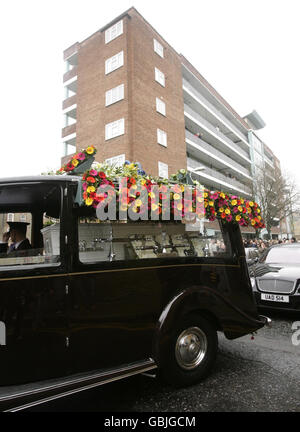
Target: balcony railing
70	74
68	130
234	184
225	159
72	100
220	136
225	121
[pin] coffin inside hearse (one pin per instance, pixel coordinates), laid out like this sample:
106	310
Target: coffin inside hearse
114	241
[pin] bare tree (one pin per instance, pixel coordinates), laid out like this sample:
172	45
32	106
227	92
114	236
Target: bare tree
278	198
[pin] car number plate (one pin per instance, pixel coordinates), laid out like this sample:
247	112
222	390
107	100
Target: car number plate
275	297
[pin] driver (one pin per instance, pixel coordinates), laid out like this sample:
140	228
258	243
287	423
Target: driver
17	235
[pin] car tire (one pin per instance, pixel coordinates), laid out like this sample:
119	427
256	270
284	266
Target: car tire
190	353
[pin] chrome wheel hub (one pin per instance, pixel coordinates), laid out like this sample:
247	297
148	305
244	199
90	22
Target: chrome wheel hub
191	347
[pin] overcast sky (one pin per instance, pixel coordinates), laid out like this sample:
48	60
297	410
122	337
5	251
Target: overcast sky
248	50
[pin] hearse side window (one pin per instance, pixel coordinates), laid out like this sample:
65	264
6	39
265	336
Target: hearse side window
31	237
119	241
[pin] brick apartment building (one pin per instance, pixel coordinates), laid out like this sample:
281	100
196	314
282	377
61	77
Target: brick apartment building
133	97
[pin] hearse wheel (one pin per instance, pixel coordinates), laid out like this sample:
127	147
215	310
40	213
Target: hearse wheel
191	352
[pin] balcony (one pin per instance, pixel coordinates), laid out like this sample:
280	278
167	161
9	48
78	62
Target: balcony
67	131
211	155
71	86
213	113
70	74
72	100
215	137
215	179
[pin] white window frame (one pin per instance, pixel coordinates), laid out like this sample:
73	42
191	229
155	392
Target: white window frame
114	129
158	48
162	137
163	170
10	217
114	62
116	160
160	77
160	106
114	31
114	95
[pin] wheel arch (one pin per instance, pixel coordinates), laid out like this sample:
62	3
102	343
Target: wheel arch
193	300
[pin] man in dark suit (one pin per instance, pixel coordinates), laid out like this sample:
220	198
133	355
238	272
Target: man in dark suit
19	243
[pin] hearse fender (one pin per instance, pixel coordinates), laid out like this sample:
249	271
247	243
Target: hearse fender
209	304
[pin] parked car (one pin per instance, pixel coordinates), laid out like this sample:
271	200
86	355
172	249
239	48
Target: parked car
252	255
275	278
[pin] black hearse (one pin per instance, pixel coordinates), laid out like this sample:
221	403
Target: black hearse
93	302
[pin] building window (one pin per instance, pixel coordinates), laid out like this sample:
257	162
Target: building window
10	217
162	137
114	62
160	106
23	218
163	170
160	77
158	48
114	31
114	129
116	160
114	95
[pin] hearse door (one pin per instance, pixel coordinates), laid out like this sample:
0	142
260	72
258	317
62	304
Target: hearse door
33	298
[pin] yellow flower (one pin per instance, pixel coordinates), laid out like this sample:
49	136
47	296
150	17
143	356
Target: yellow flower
234	202
240	208
75	162
238	217
242	201
227	211
259	217
205	194
258	210
222	195
90	150
89	201
90	189
251	203
221	210
176	196
253	222
249	210
211	203
205	204
143	182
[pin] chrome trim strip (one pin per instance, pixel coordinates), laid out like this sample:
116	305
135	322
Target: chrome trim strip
71	392
145	364
118	270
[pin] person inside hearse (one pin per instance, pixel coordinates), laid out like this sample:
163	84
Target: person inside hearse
17	235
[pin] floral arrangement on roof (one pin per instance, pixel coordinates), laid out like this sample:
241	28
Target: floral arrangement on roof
77	161
125	182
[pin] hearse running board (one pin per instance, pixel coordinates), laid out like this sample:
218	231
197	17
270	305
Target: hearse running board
17	398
